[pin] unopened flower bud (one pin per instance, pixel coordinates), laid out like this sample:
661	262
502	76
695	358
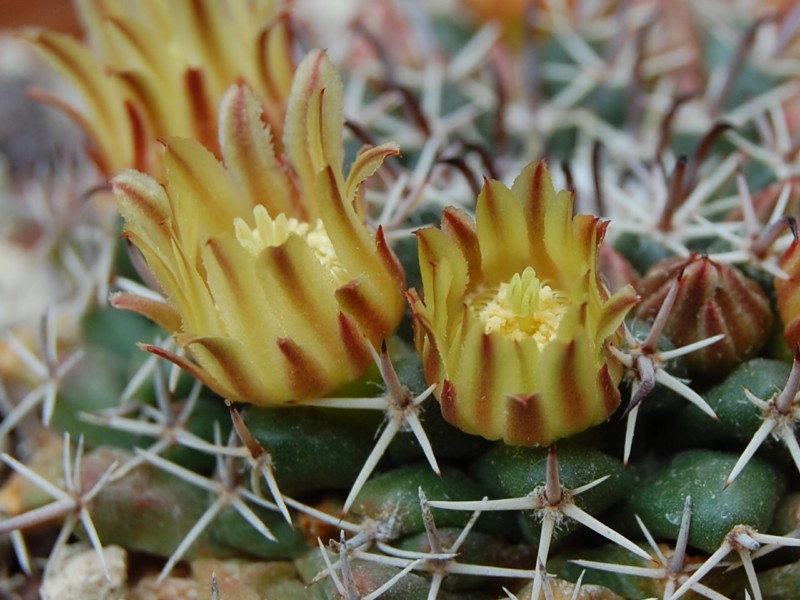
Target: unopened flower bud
713	298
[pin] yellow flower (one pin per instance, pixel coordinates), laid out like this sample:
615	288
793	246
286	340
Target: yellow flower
515	325
274	285
158	69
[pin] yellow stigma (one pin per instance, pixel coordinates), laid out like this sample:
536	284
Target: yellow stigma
522	308
269	233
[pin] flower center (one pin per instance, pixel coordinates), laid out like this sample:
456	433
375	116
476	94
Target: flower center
269	233
521	308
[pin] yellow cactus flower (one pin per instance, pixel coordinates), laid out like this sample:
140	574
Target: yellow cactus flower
515	324
274	285
157	69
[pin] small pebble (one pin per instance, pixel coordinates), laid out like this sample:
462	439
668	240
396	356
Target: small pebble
77	574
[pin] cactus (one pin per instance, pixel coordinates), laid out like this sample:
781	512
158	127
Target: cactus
413	300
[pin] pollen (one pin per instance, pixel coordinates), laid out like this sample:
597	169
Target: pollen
270	233
522	308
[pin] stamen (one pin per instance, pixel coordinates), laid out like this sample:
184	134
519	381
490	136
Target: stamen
270	233
522	308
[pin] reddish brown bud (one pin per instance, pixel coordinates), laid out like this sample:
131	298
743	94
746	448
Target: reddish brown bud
788	291
712	299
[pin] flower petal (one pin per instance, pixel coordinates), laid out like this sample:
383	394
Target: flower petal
242	304
502	232
301	294
107	125
232	366
457	224
358	253
314	121
193	172
161	313
548	216
275	67
444	275
367	162
247	149
145	206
